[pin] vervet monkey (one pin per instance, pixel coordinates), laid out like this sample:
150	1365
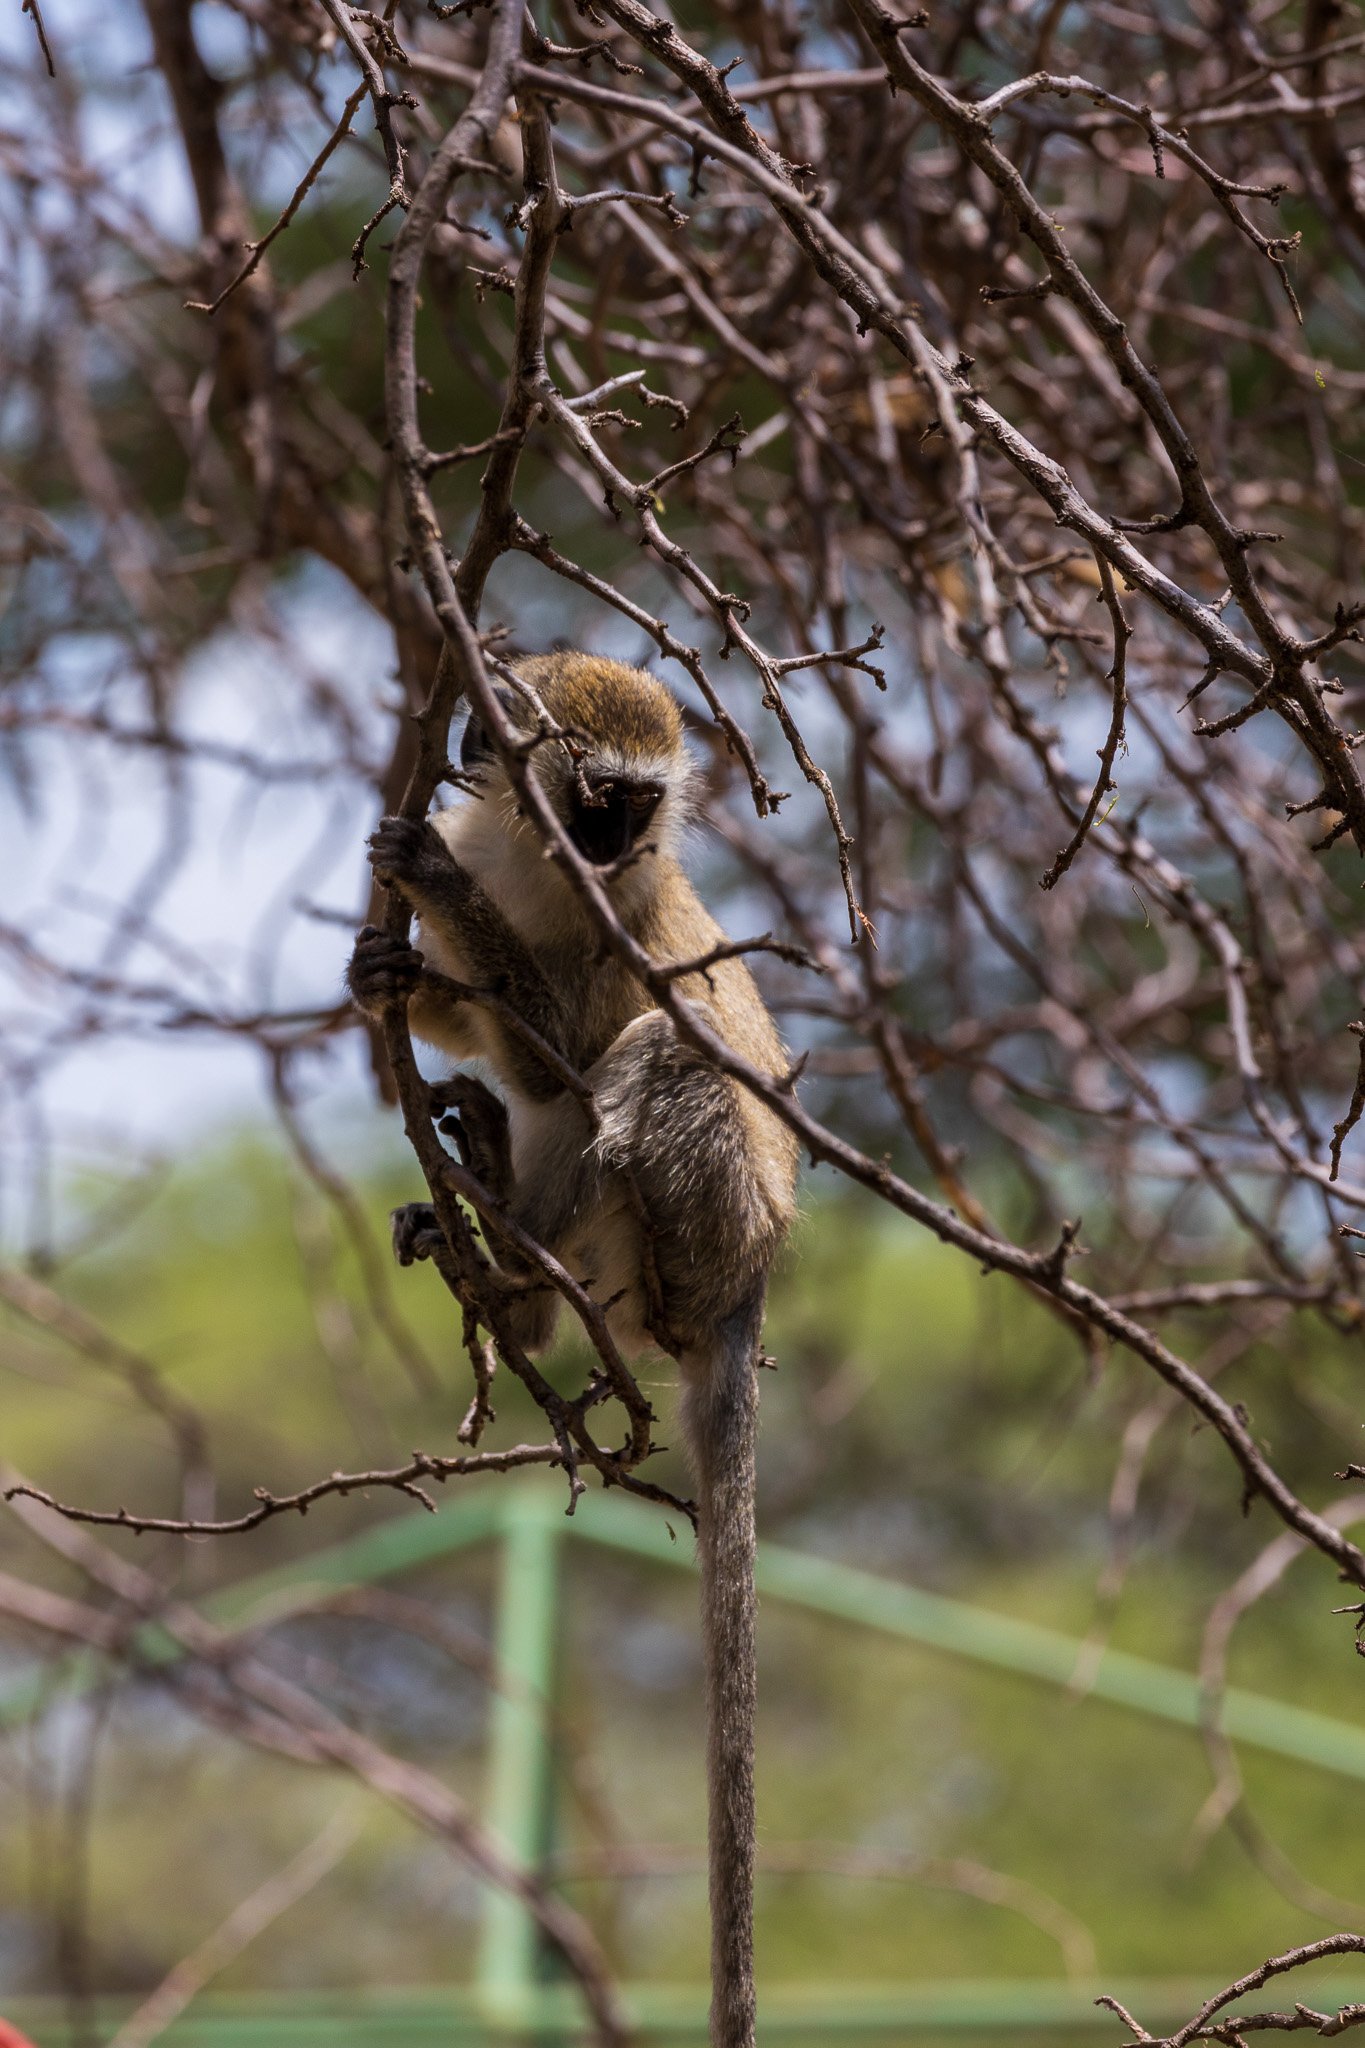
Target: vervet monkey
715	1168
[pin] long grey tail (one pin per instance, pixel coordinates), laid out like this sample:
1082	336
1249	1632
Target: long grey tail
721	1416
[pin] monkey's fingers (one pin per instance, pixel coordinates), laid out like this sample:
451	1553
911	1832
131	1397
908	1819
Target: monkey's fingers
383	972
416	1233
405	849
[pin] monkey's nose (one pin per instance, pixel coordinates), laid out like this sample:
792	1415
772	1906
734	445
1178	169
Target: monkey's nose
602	831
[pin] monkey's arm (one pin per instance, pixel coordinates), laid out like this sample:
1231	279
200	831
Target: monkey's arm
410	855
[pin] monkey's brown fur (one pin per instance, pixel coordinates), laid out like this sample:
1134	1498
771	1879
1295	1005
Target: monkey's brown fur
716	1169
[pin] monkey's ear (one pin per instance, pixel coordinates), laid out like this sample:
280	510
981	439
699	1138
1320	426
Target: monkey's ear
475	745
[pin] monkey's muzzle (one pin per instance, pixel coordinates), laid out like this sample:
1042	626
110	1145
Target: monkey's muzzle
607	825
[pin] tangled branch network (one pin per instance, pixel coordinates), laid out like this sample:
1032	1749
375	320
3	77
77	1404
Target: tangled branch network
970	434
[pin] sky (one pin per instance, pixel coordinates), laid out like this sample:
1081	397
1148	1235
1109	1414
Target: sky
228	870
93	823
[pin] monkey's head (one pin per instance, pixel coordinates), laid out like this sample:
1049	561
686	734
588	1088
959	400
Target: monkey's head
632	779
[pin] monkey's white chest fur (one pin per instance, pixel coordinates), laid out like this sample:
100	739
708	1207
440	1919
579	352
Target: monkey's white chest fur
599	1242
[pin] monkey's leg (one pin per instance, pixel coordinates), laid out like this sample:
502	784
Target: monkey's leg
411	855
477	1120
668	1116
384	972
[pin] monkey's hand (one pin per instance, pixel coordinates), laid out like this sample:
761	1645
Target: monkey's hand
416	1233
383	972
409	854
479	1127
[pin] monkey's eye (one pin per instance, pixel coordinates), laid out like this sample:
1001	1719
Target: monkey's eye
606	822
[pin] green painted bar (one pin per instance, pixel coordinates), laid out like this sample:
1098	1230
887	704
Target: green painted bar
825	1587
673	2013
816	1583
507	2002
400	1544
1024	1647
518	1805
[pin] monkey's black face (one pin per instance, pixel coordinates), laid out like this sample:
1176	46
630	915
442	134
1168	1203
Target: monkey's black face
610	825
606	814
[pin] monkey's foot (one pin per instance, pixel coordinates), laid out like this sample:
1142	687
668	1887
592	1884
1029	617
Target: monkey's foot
479	1128
416	1233
459	1092
410	853
383	971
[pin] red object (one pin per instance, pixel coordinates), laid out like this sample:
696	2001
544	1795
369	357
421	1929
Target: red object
10	2037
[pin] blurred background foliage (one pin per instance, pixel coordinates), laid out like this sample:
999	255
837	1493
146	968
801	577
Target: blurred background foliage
924	1422
972	1455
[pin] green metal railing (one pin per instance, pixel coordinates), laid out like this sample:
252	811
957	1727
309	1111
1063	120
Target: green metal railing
509	1998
